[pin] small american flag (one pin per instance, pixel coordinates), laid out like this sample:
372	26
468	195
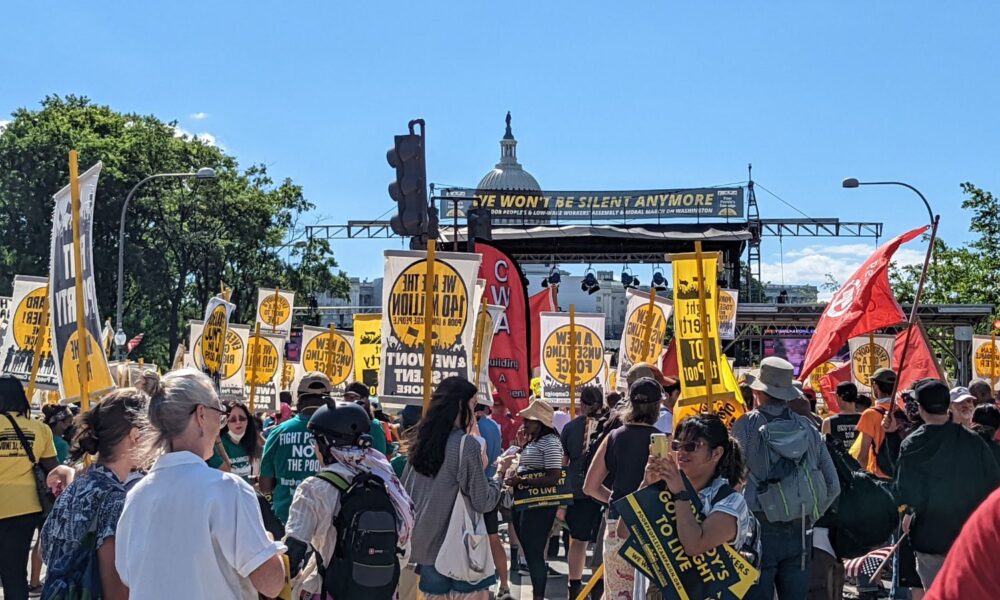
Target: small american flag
132	343
866	565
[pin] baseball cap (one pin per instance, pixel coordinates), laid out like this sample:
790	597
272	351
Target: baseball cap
933	396
314	383
884	375
645	390
644	370
960	394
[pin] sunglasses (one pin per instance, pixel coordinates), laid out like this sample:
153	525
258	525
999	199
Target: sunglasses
688	447
238	419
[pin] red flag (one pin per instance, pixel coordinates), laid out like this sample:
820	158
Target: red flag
828	384
132	343
863	304
543	301
509	369
668	366
921	363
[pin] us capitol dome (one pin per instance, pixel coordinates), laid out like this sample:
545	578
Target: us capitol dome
508	175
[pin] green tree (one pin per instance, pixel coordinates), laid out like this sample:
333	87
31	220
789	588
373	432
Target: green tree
183	239
960	275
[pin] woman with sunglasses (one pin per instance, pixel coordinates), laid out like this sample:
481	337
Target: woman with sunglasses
187	530
703	452
238	445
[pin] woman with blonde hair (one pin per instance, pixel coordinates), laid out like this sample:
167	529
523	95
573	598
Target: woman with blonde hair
188	530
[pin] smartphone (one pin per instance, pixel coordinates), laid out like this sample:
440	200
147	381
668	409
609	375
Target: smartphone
659	445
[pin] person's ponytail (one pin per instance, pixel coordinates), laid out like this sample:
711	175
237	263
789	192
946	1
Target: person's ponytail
731	466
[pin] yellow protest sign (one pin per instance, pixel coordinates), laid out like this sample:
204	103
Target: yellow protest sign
644	332
869	354
406	305
274	311
213	337
329	351
696	313
367	349
819	373
559	361
728	407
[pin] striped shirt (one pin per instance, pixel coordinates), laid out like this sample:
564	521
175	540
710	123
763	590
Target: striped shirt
541	455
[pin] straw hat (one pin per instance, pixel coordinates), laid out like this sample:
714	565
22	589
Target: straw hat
538	410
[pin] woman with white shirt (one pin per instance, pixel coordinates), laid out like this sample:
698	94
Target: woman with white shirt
188	530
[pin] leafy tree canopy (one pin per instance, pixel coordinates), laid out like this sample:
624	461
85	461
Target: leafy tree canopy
182	238
961	274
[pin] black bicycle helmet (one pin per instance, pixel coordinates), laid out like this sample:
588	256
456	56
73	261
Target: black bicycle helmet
340	423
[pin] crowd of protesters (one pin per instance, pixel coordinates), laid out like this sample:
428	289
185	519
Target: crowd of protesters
164	491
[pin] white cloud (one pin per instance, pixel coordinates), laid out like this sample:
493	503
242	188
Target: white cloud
204	137
199	116
811	264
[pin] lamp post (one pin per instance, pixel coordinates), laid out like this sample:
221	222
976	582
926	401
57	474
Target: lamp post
851	183
202	173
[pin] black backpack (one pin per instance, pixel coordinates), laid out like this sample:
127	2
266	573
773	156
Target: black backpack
865	514
365	564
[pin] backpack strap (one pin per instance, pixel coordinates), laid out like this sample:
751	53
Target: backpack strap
334	479
22	438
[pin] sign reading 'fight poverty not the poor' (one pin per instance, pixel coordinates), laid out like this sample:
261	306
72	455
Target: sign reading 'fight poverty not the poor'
29	320
403	304
559	363
62	294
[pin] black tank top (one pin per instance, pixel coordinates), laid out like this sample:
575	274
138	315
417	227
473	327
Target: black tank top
625	458
842	429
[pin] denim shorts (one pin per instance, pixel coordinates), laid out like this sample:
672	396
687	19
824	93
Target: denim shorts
434	583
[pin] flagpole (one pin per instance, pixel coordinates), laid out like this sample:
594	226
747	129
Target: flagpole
850	183
572	361
706	357
41	335
916	305
648	333
82	335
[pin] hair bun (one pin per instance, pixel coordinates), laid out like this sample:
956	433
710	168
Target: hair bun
149	382
87	441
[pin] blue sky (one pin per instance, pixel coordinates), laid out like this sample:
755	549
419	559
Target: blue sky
604	96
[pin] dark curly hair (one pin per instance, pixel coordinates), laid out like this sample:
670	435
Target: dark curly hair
250	441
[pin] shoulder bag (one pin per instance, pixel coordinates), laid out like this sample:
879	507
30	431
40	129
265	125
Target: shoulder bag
465	553
45	498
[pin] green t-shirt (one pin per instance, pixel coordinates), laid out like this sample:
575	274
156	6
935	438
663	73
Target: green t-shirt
239	460
289	457
398	463
62	449
378	437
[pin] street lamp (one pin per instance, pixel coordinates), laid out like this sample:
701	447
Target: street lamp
851	183
202	173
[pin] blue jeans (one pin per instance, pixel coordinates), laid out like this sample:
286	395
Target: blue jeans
781	567
436	584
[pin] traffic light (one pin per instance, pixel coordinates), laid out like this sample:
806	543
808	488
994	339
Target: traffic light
410	188
480	224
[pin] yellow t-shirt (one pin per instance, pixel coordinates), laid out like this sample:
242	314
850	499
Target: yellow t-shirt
18	495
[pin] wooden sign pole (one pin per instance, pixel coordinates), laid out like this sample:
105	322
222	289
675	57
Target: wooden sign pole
572	361
253	366
41	334
703	325
428	322
648	333
82	335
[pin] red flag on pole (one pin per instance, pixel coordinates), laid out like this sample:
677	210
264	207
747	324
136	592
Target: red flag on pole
543	301
828	384
863	304
921	363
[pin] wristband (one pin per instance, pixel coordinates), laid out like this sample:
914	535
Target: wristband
683	495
